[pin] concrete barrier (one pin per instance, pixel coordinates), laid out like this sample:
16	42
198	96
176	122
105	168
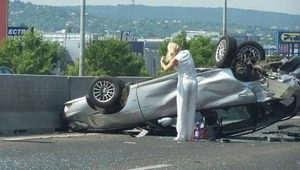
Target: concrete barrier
79	86
34	103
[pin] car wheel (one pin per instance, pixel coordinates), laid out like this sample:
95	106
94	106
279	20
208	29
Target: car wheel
106	91
251	51
225	52
248	54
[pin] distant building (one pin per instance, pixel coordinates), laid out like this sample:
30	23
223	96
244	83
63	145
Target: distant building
253	37
245	37
152	56
62	36
71	43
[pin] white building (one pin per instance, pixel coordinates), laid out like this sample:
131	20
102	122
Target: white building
151	53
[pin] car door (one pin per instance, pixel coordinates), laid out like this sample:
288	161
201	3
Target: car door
157	97
218	88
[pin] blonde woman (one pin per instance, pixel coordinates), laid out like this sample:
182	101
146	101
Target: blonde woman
186	98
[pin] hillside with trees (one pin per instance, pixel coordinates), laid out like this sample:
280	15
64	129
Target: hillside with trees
146	21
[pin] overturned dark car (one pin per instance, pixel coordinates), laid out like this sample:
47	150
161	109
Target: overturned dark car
244	93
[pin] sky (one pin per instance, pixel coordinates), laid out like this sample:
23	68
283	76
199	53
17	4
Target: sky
282	6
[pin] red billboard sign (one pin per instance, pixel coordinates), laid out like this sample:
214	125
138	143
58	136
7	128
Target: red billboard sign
3	19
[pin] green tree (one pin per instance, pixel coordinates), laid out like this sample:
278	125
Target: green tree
202	49
73	70
30	54
179	39
112	57
182	41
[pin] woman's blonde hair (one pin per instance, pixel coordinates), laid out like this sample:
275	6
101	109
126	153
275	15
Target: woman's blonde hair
173	50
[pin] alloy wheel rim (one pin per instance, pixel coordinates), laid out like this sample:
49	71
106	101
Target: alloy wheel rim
103	91
221	50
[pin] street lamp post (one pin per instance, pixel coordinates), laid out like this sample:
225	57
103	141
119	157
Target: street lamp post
225	18
82	39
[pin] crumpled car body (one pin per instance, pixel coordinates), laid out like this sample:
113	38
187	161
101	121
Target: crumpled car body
242	106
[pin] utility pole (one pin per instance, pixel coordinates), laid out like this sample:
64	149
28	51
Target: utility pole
225	18
82	39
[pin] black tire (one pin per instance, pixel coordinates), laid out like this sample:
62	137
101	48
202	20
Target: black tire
251	50
248	54
116	108
225	52
105	91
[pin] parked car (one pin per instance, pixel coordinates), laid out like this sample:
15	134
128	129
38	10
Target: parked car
240	95
5	70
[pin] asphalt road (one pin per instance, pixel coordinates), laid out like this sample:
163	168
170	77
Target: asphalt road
97	151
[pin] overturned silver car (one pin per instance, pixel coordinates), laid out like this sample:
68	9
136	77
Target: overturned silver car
244	93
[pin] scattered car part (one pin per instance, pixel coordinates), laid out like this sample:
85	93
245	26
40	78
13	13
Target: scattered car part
285	126
295	135
166	121
291	64
78	126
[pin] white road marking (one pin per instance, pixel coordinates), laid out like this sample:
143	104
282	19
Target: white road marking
152	167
